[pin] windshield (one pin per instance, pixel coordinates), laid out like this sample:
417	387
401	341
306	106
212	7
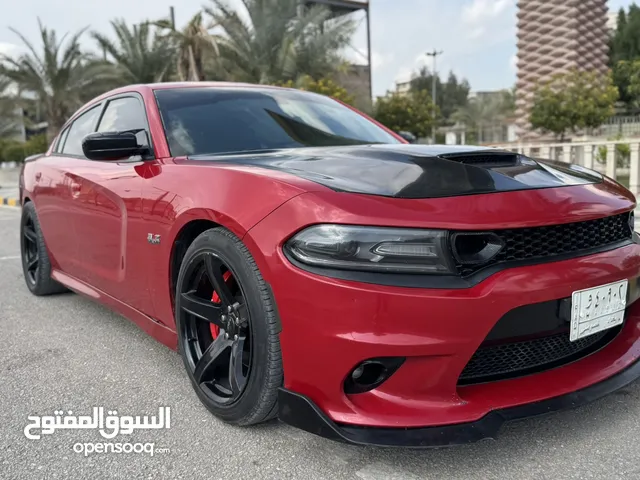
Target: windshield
225	120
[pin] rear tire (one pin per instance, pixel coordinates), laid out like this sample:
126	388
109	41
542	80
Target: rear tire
36	265
230	346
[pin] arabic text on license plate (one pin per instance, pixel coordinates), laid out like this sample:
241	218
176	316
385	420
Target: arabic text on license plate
596	309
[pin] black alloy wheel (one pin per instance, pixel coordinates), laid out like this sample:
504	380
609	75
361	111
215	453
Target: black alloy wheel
30	254
227	329
217	332
36	264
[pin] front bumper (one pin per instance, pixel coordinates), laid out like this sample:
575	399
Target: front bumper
299	411
330	325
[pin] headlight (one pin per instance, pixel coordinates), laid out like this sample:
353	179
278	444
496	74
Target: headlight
372	249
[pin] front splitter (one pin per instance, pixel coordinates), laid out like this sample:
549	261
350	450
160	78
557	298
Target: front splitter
300	412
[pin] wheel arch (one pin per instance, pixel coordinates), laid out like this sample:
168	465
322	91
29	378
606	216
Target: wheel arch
189	225
179	246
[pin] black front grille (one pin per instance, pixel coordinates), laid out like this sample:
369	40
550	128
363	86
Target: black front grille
509	360
545	243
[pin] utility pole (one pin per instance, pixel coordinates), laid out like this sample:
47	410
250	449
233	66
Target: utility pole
172	17
434	54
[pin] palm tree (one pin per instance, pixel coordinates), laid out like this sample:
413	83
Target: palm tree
279	40
193	45
139	53
58	75
8	108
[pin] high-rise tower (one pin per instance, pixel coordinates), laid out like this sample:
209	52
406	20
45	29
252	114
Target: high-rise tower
553	37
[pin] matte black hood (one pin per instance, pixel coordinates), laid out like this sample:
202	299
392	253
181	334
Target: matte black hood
415	171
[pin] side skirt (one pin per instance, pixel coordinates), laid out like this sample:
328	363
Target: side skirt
157	330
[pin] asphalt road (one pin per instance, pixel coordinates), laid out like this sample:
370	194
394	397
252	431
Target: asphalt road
66	352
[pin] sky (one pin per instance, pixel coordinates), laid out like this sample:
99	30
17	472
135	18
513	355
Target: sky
477	37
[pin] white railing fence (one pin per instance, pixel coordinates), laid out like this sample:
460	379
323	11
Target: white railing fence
618	159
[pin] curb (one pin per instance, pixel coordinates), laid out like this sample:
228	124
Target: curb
11	202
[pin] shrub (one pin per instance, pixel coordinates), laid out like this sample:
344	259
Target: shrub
15	151
623	153
36	144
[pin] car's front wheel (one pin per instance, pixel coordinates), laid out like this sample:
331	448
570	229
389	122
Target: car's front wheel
36	265
228	330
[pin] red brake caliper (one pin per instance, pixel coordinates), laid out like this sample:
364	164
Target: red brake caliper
215	298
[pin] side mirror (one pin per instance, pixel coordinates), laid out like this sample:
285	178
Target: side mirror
112	146
408	136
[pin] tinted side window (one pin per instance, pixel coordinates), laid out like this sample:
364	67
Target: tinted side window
61	140
81	127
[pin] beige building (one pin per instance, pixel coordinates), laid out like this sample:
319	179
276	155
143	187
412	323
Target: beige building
554	37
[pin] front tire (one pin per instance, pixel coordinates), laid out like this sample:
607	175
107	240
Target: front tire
228	330
36	265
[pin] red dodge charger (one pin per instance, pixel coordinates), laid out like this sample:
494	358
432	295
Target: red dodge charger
310	265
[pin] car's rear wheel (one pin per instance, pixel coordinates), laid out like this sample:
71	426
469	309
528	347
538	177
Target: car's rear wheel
36	265
227	329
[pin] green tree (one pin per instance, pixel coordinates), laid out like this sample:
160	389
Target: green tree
624	53
485	111
278	40
58	74
140	54
626	76
193	45
410	113
324	86
573	101
451	95
625	42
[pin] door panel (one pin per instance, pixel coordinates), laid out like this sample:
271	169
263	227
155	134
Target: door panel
108	225
52	198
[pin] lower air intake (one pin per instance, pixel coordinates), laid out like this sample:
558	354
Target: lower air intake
510	360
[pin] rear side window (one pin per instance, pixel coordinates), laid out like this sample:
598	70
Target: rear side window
82	126
61	140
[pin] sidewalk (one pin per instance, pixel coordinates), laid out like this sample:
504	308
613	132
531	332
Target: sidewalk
9	194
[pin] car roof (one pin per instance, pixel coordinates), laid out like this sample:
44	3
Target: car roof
174	85
170	85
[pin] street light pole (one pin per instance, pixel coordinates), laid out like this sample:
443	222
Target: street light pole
434	54
369	52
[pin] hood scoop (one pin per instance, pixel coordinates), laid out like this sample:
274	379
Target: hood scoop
485	159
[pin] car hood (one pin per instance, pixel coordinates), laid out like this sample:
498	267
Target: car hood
415	171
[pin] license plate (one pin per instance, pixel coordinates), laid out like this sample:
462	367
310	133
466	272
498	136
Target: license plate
596	309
